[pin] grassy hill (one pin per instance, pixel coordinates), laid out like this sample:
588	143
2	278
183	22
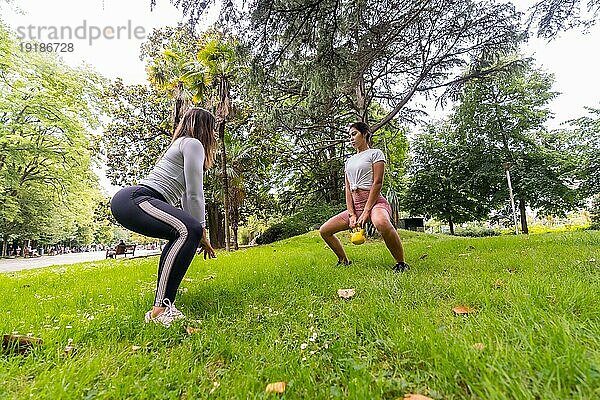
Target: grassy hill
271	313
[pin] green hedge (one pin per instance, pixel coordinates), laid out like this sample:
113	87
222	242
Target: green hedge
477	232
299	223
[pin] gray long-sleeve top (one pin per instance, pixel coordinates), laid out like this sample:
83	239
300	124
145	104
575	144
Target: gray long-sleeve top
178	176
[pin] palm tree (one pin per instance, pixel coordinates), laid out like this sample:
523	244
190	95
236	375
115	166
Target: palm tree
218	56
206	79
183	80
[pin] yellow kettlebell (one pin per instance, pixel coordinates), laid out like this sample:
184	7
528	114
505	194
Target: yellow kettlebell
357	236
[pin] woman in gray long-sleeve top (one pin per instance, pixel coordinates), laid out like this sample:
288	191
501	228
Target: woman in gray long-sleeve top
152	207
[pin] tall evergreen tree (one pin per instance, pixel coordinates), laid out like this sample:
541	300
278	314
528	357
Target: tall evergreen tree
507	112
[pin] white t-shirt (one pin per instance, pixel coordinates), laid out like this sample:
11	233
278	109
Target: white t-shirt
359	168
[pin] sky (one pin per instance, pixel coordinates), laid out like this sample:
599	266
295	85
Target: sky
570	57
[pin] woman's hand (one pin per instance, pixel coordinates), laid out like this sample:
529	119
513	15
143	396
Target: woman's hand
207	248
352	221
364	218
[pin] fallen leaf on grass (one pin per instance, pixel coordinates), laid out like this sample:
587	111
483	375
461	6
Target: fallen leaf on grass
191	330
19	344
346	293
499	283
463	310
277	387
424	256
479	346
135	348
411	396
209	278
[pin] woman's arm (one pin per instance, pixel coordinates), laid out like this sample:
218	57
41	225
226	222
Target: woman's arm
193	169
378	169
349	202
193	197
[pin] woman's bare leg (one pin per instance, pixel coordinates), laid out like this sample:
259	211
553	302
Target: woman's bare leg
381	220
328	230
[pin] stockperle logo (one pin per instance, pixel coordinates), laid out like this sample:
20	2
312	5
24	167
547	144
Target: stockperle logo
84	31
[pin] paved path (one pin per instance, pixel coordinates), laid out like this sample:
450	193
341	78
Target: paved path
17	264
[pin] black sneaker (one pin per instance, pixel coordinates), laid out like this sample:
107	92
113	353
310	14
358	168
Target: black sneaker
340	263
401	267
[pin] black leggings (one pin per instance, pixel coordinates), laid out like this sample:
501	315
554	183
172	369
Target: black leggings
145	211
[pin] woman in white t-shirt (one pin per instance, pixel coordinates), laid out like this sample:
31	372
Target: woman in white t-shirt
364	202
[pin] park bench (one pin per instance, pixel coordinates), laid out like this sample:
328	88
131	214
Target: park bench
118	250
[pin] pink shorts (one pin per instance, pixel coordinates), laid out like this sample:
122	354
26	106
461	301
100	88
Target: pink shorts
359	199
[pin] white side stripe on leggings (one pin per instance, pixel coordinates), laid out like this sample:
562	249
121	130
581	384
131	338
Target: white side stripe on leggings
170	258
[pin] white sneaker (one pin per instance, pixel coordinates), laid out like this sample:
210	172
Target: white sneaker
167	317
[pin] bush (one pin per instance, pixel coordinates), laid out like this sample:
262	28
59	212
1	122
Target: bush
537	229
299	223
243	235
477	232
595	213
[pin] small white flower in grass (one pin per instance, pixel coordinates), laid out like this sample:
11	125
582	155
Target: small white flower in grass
303	358
312	352
68	327
215	387
310	315
303	346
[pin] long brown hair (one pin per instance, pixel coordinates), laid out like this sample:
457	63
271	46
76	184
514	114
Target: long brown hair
200	124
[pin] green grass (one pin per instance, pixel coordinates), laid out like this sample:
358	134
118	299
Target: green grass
537	297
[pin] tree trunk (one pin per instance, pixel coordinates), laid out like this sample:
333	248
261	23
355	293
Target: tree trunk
524	227
5	246
361	99
451	223
178	106
234	228
225	183
333	172
215	226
